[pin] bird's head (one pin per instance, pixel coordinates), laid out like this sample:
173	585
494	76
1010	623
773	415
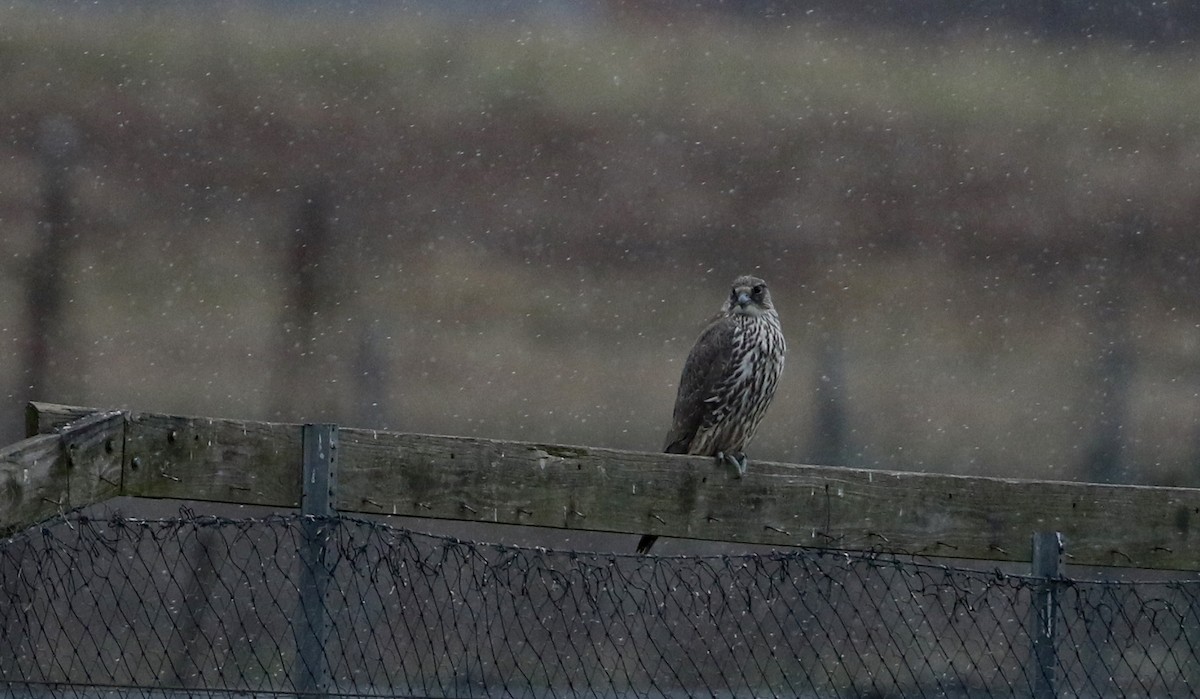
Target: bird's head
749	296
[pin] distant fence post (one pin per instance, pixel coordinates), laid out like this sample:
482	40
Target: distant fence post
1046	564
832	423
309	286
311	628
58	141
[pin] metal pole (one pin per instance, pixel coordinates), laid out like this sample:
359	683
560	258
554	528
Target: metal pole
1046	564
311	628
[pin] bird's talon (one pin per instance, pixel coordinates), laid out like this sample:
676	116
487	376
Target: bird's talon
738	462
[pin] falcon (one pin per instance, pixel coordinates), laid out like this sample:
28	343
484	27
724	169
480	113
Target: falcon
728	380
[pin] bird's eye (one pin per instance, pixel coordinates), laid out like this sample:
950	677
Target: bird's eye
757	290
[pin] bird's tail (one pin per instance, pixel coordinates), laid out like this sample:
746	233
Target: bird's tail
679	446
676	447
646	542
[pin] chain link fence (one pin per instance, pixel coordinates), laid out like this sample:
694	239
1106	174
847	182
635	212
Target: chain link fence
204	606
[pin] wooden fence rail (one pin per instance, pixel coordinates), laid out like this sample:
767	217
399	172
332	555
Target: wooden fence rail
77	456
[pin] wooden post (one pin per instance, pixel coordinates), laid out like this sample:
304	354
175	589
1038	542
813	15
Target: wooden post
57	143
1105	456
370	368
1047	564
1106	461
309	289
311	627
831	431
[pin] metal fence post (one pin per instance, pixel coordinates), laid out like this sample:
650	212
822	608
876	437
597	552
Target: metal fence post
1046	564
311	628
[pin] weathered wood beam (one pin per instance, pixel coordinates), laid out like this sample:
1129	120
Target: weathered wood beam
45	418
634	492
77	463
251	463
779	504
193	458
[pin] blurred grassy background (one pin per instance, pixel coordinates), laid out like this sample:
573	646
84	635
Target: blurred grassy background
981	242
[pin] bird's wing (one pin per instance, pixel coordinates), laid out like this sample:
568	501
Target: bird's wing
706	366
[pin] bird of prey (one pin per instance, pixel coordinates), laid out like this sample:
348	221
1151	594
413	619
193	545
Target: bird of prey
728	380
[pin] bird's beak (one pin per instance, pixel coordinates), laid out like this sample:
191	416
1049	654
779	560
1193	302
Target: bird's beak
743	298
